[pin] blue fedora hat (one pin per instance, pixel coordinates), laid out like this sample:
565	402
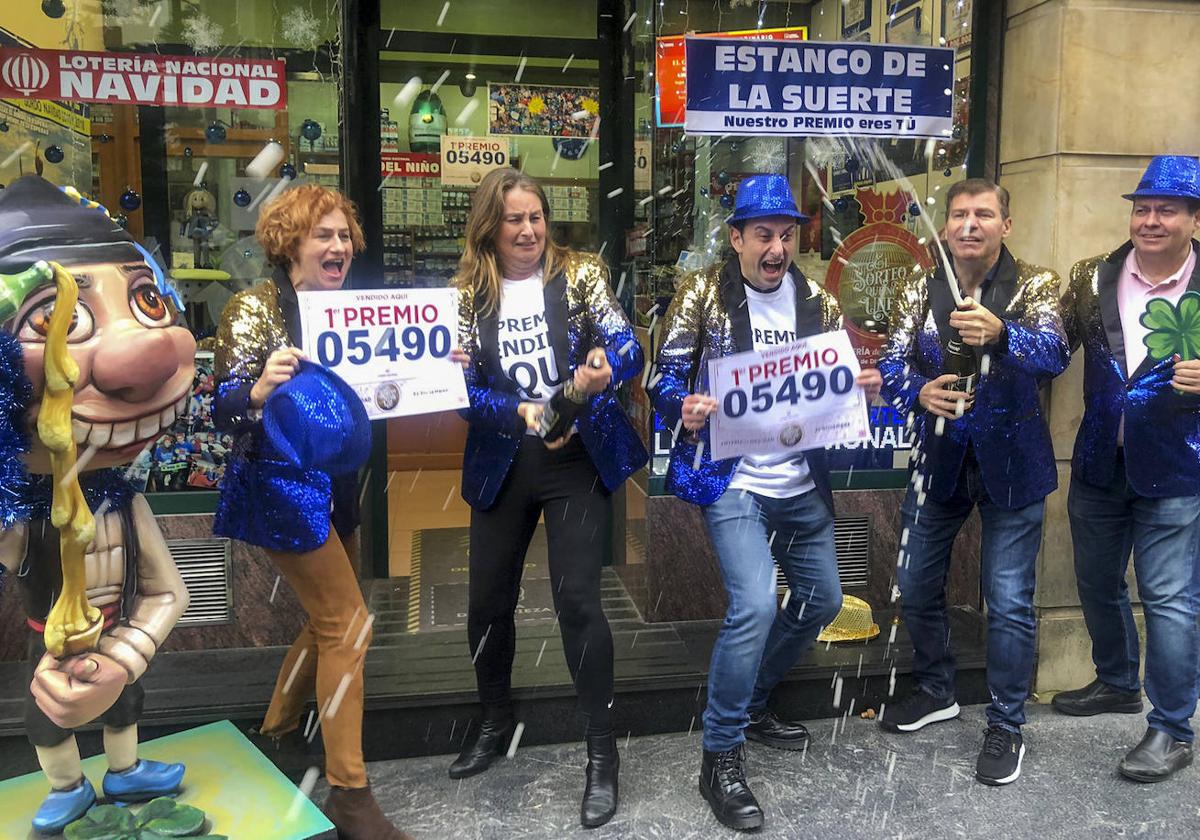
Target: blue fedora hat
765	195
1170	176
316	421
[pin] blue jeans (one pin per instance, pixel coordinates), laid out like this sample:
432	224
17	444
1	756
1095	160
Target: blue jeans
1009	555
1164	535
759	643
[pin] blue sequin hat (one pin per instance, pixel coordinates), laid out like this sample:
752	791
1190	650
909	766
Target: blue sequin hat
1170	176
765	195
316	421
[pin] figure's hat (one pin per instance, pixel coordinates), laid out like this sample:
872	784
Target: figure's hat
316	421
1170	176
765	195
40	221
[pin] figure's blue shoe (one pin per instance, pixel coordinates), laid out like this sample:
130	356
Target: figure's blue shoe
63	807
143	781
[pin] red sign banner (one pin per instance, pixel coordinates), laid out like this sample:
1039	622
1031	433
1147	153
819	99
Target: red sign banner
142	79
670	74
410	165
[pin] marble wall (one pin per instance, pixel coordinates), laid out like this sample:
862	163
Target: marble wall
1091	90
683	583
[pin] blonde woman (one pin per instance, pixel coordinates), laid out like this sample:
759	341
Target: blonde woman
539	321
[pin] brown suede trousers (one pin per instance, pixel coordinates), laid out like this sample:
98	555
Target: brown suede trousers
327	657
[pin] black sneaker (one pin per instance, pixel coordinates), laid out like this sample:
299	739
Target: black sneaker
917	710
1000	759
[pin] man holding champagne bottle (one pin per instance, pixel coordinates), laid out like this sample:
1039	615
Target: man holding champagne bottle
971	343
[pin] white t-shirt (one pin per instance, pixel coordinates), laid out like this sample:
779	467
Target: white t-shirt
773	322
526	355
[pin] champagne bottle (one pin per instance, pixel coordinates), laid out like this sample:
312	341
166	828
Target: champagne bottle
959	359
564	406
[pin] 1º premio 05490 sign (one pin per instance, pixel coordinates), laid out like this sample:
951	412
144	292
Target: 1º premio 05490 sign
788	398
391	346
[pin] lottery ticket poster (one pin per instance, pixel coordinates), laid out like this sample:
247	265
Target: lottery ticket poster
392	346
788	398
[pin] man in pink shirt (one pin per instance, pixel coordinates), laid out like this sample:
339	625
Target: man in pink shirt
1135	475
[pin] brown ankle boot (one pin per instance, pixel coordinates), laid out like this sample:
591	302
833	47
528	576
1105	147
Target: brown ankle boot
357	816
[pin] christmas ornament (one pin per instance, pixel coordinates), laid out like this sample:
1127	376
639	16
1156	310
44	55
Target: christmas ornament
130	200
310	130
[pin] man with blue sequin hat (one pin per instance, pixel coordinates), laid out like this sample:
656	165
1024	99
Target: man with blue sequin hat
760	510
1135	474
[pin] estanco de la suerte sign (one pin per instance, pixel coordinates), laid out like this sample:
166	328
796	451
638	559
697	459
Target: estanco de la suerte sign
142	79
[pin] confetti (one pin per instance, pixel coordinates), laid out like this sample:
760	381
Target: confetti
518	731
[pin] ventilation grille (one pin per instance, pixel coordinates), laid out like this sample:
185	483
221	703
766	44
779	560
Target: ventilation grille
205	567
852	539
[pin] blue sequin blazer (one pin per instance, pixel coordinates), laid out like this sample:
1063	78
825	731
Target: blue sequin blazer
265	501
708	319
1005	426
1162	428
581	313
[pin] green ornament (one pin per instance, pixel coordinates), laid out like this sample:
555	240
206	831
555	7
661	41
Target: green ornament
14	288
1173	330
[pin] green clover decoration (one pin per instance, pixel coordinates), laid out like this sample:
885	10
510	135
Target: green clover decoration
159	819
1173	329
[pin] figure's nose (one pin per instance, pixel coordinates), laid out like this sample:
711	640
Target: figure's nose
134	363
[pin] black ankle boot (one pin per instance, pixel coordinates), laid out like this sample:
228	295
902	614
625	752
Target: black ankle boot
723	784
600	792
477	755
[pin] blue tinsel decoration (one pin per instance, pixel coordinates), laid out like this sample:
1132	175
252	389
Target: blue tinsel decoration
15	395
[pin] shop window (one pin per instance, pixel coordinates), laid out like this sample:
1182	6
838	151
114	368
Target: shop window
844	183
489	99
262	83
541	18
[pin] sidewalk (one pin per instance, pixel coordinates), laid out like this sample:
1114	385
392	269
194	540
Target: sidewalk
859	782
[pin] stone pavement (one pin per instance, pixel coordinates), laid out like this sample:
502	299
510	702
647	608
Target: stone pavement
855	781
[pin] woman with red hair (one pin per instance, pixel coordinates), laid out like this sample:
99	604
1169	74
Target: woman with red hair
310	235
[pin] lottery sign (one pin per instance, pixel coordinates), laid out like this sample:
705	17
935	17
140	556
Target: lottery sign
789	398
391	346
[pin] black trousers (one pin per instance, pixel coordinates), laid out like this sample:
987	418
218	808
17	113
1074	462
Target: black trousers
564	486
43	732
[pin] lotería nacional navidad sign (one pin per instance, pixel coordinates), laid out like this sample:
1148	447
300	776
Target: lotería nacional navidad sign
142	79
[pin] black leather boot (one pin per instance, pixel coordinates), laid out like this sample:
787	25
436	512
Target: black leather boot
723	785
495	731
600	792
